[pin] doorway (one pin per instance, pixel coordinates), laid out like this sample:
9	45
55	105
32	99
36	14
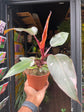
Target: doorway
60	21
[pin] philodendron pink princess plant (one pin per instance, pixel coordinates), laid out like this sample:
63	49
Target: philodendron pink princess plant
60	65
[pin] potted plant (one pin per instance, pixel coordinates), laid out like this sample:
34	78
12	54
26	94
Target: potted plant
60	66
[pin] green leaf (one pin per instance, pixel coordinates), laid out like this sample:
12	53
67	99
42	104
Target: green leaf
19	67
26	58
62	70
45	68
31	31
59	39
33	67
63	110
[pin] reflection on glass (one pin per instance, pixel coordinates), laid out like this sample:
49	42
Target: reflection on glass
82	38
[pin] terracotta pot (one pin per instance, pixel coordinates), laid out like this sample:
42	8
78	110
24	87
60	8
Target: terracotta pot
37	82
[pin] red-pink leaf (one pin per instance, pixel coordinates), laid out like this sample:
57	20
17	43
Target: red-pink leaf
44	35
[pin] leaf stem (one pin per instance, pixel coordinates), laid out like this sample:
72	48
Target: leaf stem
47	51
37	40
41	50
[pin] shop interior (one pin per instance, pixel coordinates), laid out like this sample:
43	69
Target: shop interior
29	15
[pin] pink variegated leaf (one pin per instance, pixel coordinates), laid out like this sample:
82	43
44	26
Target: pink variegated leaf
63	72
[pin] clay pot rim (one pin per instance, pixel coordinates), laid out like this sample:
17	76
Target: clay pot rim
48	73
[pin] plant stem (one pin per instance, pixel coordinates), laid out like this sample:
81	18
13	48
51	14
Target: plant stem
41	50
44	55
47	51
37	40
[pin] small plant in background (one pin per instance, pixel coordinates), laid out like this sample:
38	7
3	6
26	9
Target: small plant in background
20	94
63	110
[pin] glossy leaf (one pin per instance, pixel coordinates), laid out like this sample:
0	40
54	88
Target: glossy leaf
44	35
18	68
59	39
63	73
27	58
31	31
